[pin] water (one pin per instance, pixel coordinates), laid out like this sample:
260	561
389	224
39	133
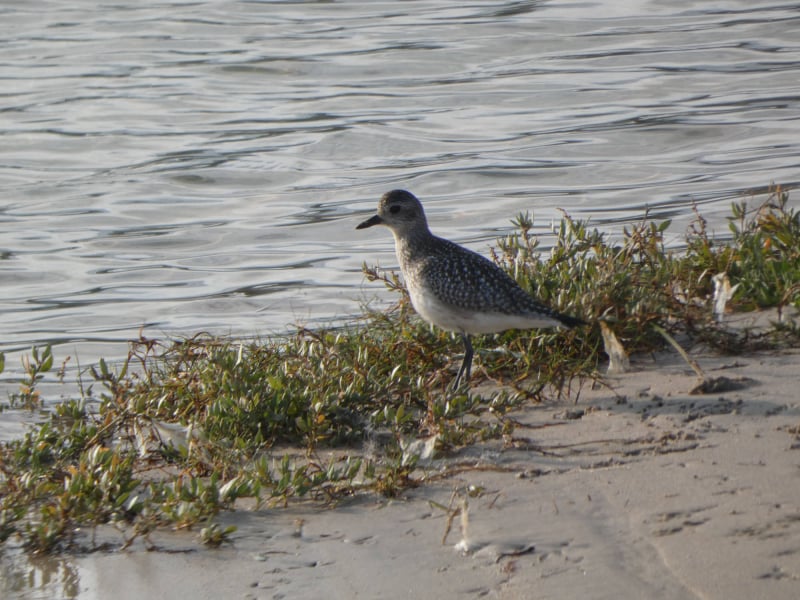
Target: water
201	166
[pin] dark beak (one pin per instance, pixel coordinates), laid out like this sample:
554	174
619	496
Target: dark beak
376	220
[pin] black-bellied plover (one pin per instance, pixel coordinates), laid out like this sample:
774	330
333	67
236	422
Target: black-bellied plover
455	288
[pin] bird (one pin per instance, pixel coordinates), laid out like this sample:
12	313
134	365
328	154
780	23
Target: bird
454	288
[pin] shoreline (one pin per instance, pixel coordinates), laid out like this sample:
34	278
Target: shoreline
637	490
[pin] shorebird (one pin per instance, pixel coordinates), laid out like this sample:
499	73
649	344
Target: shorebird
454	288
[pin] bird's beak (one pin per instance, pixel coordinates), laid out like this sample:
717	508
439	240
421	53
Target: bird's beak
376	220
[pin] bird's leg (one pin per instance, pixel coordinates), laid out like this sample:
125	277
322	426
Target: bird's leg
466	365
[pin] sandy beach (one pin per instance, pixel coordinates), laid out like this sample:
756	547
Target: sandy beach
636	490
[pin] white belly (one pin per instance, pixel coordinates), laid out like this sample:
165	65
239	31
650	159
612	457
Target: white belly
453	319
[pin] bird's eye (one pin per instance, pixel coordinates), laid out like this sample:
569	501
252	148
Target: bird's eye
394	209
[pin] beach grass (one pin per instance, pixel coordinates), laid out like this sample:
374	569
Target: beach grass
185	429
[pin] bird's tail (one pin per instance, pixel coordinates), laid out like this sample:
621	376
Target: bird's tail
570	322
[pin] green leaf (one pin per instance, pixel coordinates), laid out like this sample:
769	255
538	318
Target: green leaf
47	359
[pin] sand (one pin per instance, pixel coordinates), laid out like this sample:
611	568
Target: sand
637	490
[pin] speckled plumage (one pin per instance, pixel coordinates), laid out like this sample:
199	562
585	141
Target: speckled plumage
466	280
455	288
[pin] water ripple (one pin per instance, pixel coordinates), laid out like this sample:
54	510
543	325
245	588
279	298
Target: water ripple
192	167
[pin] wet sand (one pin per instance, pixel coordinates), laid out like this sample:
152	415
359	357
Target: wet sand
634	489
638	490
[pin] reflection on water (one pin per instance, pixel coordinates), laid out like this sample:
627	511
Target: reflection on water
37	578
201	167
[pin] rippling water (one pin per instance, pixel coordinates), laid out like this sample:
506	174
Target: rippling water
201	166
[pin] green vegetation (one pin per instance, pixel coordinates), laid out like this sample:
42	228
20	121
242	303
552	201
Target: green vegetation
183	430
